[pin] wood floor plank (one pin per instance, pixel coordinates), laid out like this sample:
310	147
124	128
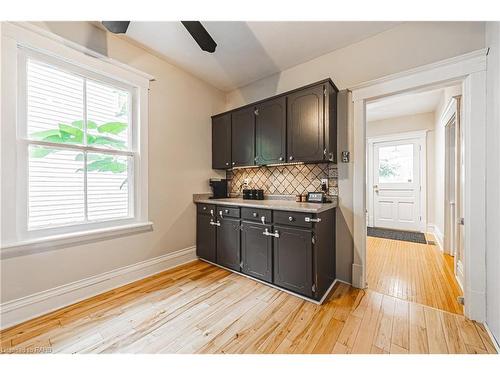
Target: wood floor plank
199	308
435	333
414	272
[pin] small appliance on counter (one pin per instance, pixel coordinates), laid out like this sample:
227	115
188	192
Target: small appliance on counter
255	194
219	187
317	197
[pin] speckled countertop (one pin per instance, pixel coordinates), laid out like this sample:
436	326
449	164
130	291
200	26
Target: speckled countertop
282	204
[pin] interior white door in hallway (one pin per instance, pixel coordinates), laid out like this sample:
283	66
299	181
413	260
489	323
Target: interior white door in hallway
397	184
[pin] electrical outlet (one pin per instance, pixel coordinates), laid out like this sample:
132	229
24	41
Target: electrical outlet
324	184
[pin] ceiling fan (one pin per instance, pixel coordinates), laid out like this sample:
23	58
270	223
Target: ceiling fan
195	28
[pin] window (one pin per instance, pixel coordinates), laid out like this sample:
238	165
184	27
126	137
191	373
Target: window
396	164
78	137
74	143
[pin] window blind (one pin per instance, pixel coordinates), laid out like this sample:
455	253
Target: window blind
79	155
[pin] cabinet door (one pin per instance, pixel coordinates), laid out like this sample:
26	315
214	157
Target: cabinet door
243	137
205	238
270	132
228	243
256	251
292	260
221	142
305	125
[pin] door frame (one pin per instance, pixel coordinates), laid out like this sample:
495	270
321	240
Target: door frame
421	136
470	71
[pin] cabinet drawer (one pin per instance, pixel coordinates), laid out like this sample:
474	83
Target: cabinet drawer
256	214
205	208
295	219
225	211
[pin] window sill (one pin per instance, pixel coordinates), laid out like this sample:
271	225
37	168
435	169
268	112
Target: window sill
72	239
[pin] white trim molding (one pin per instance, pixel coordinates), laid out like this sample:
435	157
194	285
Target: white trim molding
470	71
71	239
34	305
438	236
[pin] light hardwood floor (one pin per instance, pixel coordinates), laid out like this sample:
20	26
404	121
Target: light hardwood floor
413	272
199	308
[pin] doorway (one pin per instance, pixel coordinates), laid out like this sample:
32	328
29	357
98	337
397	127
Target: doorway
468	70
396	174
408	166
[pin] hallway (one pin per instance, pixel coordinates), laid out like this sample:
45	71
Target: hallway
413	272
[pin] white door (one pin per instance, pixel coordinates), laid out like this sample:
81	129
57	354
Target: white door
396	184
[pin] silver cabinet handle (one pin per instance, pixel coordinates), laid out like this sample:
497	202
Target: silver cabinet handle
227	163
234	163
309	220
220	214
256	112
254	214
263	219
281	158
290	218
215	223
212	213
226	211
291	158
267	233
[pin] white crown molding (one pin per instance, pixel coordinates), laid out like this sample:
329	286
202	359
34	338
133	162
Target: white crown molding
37	304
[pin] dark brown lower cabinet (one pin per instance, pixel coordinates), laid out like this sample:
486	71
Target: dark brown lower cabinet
256	251
292	259
205	237
228	243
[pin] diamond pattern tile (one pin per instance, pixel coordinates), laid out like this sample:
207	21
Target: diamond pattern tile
285	179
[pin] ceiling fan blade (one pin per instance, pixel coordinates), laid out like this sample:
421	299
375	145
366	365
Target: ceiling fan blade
116	27
201	35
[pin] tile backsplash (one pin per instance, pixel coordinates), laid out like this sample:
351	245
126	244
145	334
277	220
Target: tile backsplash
285	179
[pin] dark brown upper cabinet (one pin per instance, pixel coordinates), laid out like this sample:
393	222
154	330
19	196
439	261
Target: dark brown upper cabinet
296	126
306	126
243	137
270	132
221	141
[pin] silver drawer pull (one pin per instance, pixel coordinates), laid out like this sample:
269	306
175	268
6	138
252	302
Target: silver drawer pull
212	213
267	233
290	218
263	219
309	220
215	223
220	214
254	214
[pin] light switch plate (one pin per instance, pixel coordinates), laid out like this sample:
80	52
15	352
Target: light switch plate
345	156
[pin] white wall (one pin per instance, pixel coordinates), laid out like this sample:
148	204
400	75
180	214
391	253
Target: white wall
420	121
439	160
493	180
180	107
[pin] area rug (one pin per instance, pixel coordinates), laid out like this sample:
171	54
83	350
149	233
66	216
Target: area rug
399	235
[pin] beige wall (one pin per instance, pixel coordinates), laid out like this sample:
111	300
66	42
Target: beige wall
180	107
407	46
421	121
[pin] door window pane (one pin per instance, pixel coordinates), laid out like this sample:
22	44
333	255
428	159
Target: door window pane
396	164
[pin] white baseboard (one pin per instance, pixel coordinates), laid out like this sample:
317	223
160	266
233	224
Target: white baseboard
493	339
25	308
357	276
433	229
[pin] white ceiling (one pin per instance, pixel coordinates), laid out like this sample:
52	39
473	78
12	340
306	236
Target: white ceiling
404	105
248	51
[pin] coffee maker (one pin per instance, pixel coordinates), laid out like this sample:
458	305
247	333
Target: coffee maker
219	188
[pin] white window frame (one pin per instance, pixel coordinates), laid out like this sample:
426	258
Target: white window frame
18	42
